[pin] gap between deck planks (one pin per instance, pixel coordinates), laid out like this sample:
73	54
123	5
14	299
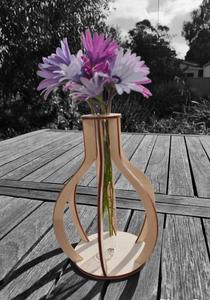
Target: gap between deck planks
179	205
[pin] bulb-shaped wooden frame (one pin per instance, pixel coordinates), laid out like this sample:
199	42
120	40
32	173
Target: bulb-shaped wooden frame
133	251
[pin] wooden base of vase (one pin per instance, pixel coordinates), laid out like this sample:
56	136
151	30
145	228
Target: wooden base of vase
121	264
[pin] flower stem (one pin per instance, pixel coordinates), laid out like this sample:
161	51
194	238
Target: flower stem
108	189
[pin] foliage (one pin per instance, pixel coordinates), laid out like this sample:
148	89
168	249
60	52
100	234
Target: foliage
154	47
197	33
30	30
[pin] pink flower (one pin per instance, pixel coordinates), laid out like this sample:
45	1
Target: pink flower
97	49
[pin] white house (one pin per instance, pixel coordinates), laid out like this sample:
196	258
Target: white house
206	70
191	69
198	77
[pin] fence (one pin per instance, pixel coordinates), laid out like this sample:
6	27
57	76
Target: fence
199	85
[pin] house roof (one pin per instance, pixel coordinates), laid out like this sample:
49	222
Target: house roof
189	63
208	63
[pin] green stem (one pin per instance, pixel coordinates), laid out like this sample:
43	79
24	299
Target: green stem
112	93
108	194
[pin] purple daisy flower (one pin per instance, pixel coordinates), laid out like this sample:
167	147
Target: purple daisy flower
74	70
50	69
97	49
90	89
128	73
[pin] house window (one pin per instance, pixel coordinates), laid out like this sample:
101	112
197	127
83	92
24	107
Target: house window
190	74
200	73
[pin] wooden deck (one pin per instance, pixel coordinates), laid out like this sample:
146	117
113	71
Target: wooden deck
33	169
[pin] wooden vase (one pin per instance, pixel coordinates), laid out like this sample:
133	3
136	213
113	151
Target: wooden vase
90	254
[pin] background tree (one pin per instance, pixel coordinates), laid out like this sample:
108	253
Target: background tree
197	34
153	44
154	47
29	30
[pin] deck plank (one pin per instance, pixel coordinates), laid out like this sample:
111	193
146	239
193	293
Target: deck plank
205	141
35	153
26	146
180	180
64	174
179	205
33	278
23	238
87	287
157	169
51	167
54	157
200	166
139	159
21	137
13	211
143	284
128	149
91	174
185	261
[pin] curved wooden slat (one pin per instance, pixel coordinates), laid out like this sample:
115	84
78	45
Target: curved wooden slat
93	140
143	189
69	192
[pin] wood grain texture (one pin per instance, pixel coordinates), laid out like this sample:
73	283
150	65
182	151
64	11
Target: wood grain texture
180	181
157	169
206	232
189	206
74	284
44	160
20	241
26	158
139	159
91	174
31	189
13	211
27	146
33	278
205	141
31	185
185	261
200	166
51	167
7	142
63	174
144	284
128	149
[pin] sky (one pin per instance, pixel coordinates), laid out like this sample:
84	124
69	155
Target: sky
172	13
